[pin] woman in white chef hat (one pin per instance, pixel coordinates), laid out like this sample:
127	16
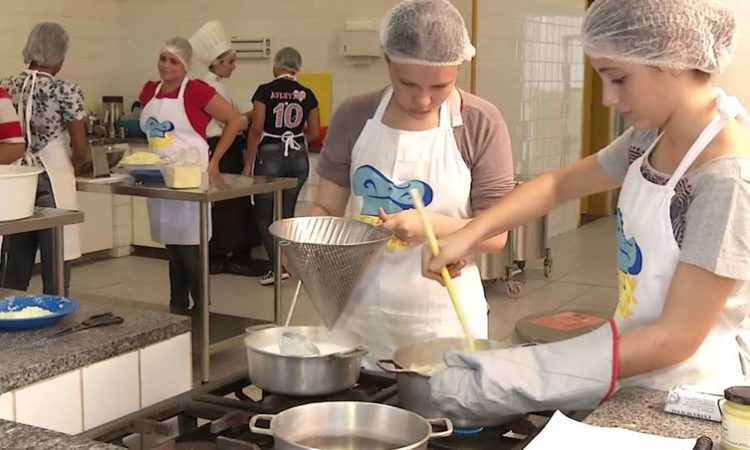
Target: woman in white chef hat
683	223
235	232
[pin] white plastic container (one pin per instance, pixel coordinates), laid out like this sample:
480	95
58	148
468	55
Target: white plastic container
182	177
18	191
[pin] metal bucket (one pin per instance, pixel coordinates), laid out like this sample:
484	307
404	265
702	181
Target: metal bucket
356	425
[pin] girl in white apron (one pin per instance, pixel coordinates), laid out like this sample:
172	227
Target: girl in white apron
415	135
51	111
683	220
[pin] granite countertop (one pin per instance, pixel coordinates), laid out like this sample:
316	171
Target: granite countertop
17	436
641	409
26	357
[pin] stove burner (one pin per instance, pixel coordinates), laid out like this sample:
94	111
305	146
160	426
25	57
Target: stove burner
468	431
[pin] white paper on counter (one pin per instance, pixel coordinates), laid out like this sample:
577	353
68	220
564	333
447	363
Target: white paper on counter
564	432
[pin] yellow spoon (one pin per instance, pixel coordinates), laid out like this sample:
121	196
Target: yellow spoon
447	280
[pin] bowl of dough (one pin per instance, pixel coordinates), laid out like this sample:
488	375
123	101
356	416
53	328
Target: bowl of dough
143	166
33	311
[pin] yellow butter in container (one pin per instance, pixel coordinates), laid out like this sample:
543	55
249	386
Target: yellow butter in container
735	422
182	177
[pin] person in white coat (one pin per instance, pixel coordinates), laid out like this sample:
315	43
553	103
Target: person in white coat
51	112
176	111
419	132
235	233
683	223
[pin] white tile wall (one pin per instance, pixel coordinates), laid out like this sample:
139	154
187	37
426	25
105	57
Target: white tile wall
530	65
114	43
734	81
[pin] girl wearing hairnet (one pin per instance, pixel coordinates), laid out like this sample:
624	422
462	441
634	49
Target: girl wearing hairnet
683	224
176	111
233	221
277	144
419	132
51	112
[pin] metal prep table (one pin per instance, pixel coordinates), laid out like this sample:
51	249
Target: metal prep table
226	187
43	219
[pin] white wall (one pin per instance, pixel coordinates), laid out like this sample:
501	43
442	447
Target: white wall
735	80
522	61
114	43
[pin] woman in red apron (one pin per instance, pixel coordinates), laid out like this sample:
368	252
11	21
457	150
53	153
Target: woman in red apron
683	223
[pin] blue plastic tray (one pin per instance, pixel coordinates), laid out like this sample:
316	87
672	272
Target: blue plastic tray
147	175
59	306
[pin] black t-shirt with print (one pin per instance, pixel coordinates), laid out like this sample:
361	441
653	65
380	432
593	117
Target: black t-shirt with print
288	105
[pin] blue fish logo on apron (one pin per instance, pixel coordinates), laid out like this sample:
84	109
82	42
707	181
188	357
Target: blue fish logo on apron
378	192
629	263
160	134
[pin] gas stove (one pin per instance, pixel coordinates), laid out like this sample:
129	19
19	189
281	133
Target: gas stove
216	415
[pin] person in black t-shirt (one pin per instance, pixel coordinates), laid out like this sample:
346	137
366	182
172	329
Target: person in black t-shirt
277	144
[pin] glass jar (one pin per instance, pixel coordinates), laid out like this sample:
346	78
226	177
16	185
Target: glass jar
735	420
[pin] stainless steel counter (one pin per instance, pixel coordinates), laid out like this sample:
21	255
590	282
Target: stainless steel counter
43	219
222	187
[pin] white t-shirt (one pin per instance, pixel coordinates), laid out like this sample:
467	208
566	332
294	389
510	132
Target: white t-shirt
215	128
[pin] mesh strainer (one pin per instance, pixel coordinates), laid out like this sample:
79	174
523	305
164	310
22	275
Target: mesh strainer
329	255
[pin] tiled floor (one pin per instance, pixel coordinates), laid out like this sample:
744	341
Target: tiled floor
583	277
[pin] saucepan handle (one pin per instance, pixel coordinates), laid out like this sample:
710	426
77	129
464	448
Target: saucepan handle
254	424
441	421
357	352
390	366
261	327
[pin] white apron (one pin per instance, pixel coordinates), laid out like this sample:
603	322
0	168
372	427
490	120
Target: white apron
55	157
647	258
395	305
168	129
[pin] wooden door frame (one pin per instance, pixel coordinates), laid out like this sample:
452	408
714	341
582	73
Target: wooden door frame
596	134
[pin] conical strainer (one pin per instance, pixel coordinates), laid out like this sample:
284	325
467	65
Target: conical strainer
329	255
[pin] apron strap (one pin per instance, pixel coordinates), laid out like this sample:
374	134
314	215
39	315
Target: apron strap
383	104
288	139
729	108
183	85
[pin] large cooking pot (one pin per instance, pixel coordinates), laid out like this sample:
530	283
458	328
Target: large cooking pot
334	370
357	425
413	365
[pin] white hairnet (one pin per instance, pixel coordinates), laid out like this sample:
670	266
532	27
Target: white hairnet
426	32
288	58
180	48
674	34
47	44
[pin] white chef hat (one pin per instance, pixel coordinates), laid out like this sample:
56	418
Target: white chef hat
211	42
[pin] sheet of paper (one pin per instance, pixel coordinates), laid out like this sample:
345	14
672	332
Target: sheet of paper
563	432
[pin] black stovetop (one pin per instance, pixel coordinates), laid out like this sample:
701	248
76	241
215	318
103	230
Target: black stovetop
216	415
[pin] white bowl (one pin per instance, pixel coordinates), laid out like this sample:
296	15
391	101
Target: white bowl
18	188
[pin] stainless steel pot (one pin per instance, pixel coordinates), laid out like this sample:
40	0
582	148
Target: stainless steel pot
357	425
414	391
303	375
